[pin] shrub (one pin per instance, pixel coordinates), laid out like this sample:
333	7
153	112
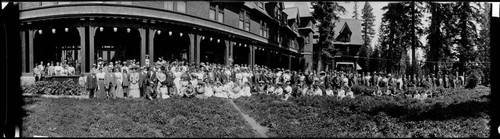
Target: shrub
472	80
68	87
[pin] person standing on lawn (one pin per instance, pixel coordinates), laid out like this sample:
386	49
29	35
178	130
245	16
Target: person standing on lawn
91	84
100	83
119	83
110	82
162	83
125	82
142	80
134	88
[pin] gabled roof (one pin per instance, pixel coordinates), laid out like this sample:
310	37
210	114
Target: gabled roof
292	12
355	27
304	10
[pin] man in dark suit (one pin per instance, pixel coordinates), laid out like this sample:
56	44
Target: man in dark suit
142	79
91	84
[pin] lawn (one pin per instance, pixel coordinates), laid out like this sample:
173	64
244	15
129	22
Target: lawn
459	113
175	117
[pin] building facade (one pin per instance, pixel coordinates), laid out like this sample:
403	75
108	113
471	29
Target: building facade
247	33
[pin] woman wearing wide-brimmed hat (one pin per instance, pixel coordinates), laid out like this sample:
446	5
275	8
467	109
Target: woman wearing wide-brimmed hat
134	83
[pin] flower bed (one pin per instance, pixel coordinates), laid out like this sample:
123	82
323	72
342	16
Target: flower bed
174	117
456	113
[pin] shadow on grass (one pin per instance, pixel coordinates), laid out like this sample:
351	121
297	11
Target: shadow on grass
436	112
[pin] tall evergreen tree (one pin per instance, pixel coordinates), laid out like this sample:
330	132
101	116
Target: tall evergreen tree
326	13
484	43
367	34
404	28
439	46
467	16
355	12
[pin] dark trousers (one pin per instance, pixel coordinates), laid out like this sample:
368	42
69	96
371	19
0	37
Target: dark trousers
37	78
91	92
125	91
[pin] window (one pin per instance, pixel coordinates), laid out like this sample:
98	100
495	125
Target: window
220	15
65	2
168	5
247	21
261	31
181	6
244	21
266	30
211	13
127	2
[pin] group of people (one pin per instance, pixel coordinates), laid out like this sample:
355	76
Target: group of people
63	68
162	79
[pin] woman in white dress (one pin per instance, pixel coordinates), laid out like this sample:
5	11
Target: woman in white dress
162	84
218	90
209	91
318	91
349	93
134	83
245	90
119	80
341	93
177	81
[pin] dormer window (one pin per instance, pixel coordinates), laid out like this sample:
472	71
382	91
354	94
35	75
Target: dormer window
344	34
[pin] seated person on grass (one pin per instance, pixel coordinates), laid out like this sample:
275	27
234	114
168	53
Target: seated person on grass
235	91
261	87
200	91
219	90
245	90
269	89
349	93
304	90
310	90
209	91
341	93
278	90
318	91
329	91
188	91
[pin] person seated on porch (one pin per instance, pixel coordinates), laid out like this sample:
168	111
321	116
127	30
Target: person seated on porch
37	73
50	69
71	69
64	71
58	68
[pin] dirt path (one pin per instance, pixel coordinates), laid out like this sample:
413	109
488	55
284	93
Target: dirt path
256	126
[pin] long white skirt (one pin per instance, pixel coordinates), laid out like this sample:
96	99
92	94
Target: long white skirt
164	92
134	90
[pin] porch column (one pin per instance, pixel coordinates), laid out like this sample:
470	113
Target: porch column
227	52
191	48
289	62
194	48
23	51
250	47
31	37
83	57
268	55
91	34
151	37
142	32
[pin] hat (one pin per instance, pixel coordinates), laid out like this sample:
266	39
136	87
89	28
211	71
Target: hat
261	81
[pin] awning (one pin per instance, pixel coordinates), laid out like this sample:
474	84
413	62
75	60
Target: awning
358	67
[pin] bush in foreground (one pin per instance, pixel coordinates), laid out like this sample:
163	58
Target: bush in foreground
68	87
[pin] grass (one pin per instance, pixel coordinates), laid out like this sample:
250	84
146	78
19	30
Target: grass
463	113
175	117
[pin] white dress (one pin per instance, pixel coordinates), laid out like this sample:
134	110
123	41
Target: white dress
177	81
209	91
278	91
245	91
341	93
318	92
218	92
350	94
329	92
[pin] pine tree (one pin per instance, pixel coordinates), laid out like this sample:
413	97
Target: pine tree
467	16
355	12
367	34
404	28
439	46
326	12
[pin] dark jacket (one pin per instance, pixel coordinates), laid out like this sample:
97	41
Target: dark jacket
91	82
